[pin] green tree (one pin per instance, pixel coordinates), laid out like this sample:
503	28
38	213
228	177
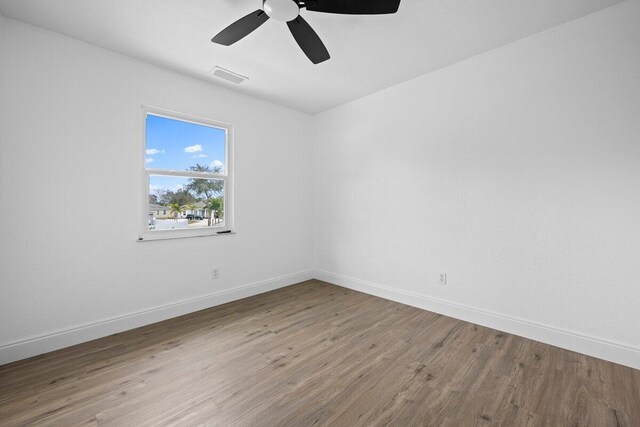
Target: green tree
166	197
182	197
204	188
216	208
176	209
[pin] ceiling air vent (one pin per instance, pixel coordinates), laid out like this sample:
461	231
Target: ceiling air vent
227	75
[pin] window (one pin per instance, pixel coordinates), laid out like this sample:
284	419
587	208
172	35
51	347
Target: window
186	166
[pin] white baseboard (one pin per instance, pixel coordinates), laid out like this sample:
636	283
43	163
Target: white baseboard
604	349
64	338
597	347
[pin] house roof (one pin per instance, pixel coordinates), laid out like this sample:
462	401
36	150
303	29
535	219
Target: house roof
156	207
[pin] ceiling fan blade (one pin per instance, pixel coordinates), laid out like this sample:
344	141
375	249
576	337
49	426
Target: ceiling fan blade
354	7
241	28
308	40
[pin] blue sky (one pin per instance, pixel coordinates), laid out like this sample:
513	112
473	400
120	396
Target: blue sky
176	145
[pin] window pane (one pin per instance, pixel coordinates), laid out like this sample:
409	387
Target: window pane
177	203
177	145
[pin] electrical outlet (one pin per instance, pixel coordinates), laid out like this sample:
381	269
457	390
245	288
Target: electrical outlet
443	278
215	273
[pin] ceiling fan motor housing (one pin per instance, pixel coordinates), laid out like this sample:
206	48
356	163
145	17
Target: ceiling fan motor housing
281	10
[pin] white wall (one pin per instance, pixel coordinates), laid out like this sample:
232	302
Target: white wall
517	172
70	122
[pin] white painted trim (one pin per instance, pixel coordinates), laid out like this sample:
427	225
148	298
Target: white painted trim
616	352
144	233
67	337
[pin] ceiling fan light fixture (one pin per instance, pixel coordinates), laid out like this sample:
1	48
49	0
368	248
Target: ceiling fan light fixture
281	10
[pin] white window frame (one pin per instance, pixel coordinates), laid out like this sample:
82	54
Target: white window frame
227	177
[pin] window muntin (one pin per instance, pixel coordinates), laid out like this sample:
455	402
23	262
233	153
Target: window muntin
187	186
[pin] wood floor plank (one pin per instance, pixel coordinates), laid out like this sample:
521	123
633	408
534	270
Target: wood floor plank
317	354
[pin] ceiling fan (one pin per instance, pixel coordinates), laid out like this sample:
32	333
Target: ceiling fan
289	11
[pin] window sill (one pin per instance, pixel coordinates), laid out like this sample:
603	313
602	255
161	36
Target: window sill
153	238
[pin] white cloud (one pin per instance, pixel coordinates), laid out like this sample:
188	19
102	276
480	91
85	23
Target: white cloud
152	151
148	160
200	156
193	148
217	164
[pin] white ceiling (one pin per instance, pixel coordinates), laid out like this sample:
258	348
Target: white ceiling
368	53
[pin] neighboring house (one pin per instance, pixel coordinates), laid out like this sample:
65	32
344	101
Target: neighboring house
159	211
200	211
164	212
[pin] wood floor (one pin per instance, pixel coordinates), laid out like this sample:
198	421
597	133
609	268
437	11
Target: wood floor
317	354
